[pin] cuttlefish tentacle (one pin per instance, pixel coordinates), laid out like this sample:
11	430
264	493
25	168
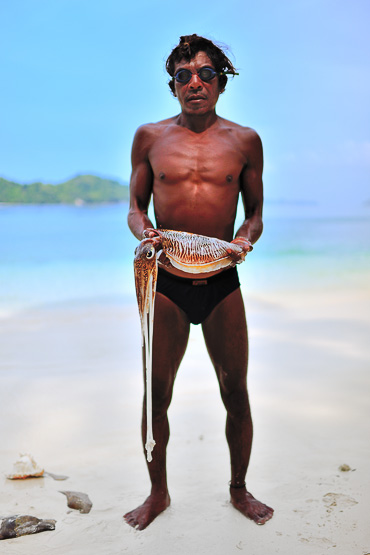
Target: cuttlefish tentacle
146	268
188	252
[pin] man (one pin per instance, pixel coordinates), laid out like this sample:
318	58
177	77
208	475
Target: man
195	164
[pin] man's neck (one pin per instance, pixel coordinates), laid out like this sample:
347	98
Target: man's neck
197	123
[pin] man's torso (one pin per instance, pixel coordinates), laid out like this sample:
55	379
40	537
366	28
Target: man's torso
196	177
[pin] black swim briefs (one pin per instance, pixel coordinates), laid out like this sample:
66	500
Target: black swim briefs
197	297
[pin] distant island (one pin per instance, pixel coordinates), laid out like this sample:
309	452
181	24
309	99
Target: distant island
82	189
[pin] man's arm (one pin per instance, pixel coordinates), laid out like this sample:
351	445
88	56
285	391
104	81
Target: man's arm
141	183
252	193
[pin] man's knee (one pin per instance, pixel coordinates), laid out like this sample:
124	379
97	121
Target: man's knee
234	395
161	396
232	379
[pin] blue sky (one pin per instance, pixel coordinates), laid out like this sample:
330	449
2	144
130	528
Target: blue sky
79	76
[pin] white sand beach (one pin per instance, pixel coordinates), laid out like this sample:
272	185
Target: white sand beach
70	394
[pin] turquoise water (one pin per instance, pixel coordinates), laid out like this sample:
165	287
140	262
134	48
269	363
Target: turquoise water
55	254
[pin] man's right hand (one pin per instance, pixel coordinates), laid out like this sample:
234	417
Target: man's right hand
151	233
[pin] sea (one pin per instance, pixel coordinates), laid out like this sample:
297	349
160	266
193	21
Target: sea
63	254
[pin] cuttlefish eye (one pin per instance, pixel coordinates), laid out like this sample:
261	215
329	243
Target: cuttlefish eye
150	253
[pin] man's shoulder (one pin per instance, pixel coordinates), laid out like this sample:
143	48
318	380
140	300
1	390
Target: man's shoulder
246	137
155	128
242	130
148	133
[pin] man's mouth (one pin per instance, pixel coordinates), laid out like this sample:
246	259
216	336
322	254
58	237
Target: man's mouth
195	97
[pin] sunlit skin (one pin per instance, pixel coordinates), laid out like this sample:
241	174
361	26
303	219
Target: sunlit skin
195	164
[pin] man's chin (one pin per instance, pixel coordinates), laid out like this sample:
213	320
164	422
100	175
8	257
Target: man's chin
197	109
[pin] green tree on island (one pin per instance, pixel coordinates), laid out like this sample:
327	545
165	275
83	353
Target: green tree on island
79	190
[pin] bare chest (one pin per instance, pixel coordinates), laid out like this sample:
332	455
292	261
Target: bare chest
184	158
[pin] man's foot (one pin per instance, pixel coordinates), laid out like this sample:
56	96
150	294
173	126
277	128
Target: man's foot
249	506
142	516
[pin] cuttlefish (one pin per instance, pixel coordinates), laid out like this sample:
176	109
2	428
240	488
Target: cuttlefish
188	252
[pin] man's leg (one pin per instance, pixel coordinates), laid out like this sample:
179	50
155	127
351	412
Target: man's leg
170	337
225	333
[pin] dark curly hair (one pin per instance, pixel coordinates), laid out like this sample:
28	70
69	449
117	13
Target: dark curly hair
188	47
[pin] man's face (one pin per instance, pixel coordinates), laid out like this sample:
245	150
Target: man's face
197	97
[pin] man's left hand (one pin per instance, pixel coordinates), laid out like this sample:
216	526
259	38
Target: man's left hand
244	243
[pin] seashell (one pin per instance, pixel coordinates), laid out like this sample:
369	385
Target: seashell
345	468
25	467
16	525
79	501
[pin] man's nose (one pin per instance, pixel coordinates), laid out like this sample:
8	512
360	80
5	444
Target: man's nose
195	81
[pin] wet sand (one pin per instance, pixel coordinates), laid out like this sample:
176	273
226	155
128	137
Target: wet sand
70	394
